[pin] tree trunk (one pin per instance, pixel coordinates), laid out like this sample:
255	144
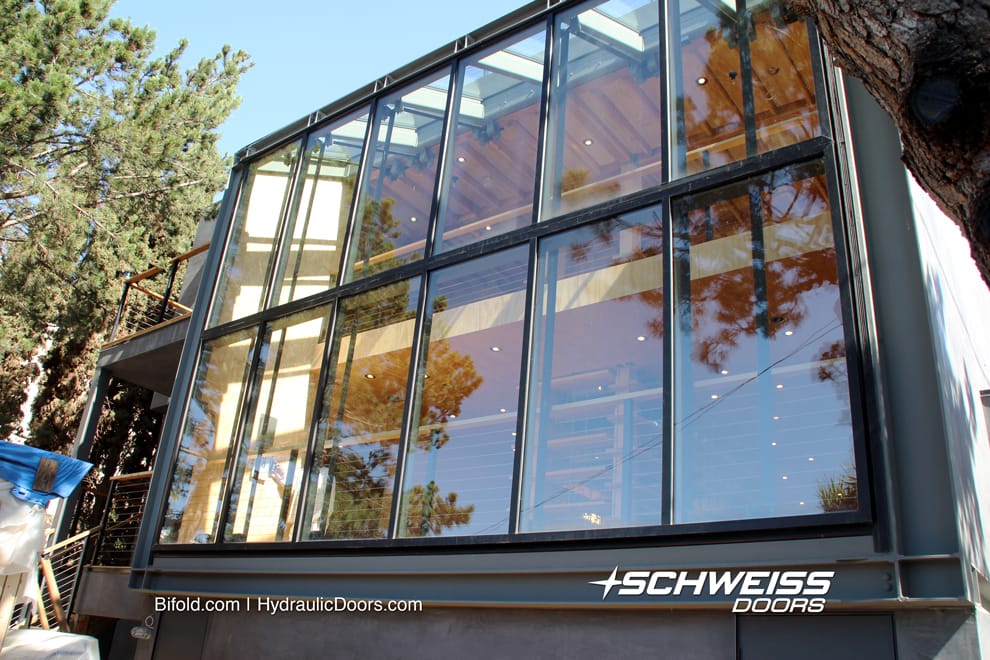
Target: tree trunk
927	62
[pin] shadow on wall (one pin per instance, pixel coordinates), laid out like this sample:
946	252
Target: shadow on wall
967	435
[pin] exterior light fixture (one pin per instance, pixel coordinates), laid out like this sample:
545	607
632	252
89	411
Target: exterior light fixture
702	80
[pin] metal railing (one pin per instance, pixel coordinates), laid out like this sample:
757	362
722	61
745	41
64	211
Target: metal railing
121	522
149	297
61	566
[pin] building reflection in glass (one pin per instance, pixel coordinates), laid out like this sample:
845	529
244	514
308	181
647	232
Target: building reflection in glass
594	438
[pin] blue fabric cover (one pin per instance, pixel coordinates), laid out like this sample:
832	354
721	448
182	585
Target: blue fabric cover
18	464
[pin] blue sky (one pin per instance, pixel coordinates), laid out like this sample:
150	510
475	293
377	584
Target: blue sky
307	53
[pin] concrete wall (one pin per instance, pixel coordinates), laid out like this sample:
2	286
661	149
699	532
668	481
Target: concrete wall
522	633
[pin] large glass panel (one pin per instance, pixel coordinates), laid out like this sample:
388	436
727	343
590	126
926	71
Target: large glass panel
196	493
762	415
254	230
315	233
458	472
268	474
393	213
353	472
490	174
603	135
595	433
742	81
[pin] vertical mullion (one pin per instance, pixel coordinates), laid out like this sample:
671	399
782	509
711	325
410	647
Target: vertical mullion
665	133
743	23
351	227
438	211
245	411
522	414
673	51
275	260
290	222
558	105
549	68
314	426
670	364
761	315
417	364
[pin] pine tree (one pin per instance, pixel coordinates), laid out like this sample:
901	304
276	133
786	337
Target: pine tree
108	160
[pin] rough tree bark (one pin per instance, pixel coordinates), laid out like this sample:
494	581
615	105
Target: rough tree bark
927	62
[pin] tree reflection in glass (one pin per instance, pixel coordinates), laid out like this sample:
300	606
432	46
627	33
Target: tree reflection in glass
763	414
351	479
743	81
459	460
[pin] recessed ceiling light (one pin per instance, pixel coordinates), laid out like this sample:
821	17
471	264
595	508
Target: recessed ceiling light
496	349
452	416
788	332
801	503
641	338
776	418
370	376
502	410
725	372
811	459
460	159
588	142
784	477
780	387
773	444
488	227
702	80
714	396
412	219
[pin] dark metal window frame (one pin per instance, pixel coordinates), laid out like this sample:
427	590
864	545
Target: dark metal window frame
821	148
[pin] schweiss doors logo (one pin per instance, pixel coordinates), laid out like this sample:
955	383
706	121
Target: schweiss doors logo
760	592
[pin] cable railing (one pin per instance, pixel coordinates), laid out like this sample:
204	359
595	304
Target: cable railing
121	522
149	298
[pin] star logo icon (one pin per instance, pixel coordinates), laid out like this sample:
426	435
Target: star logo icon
608	583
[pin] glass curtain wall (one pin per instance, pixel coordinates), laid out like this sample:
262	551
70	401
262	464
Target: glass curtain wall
594	436
254	233
743	82
267	472
193	506
396	202
605	116
360	422
763	422
655	352
490	177
317	222
459	459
